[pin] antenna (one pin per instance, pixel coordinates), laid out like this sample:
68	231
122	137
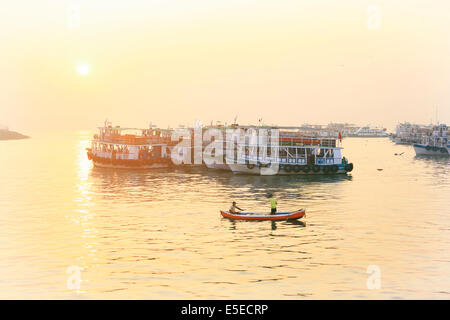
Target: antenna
437	120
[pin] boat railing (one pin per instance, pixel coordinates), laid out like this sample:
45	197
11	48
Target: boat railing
328	161
134	142
300	161
108	155
302	141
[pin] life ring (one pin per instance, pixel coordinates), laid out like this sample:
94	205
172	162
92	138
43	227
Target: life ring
428	148
326	169
297	168
316	168
306	169
334	168
288	168
250	166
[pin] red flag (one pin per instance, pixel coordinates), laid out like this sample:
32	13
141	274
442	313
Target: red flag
340	137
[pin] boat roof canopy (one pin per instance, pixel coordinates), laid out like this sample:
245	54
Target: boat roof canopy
122	128
125	129
128	145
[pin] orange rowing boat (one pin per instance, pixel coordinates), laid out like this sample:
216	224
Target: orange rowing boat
293	215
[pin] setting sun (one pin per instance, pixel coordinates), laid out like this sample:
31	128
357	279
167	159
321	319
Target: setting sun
83	69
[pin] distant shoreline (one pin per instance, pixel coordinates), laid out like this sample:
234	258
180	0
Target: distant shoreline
12	135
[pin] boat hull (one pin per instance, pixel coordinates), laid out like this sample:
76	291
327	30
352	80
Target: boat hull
218	166
115	166
421	149
128	164
252	216
318	170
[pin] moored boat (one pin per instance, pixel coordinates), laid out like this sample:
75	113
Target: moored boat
279	216
116	147
436	143
408	133
292	153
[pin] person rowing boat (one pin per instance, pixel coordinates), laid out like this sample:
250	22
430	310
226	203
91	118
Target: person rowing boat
234	208
273	204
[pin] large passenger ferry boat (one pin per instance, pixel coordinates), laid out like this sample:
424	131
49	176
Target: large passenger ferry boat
296	153
435	143
116	147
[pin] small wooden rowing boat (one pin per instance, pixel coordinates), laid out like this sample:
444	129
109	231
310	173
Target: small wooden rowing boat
293	215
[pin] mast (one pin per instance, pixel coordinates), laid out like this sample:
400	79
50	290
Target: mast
437	120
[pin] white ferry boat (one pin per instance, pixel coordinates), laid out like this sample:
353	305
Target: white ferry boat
297	155
435	143
116	147
408	133
370	132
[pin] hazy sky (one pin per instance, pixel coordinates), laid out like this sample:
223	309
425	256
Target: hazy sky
174	61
